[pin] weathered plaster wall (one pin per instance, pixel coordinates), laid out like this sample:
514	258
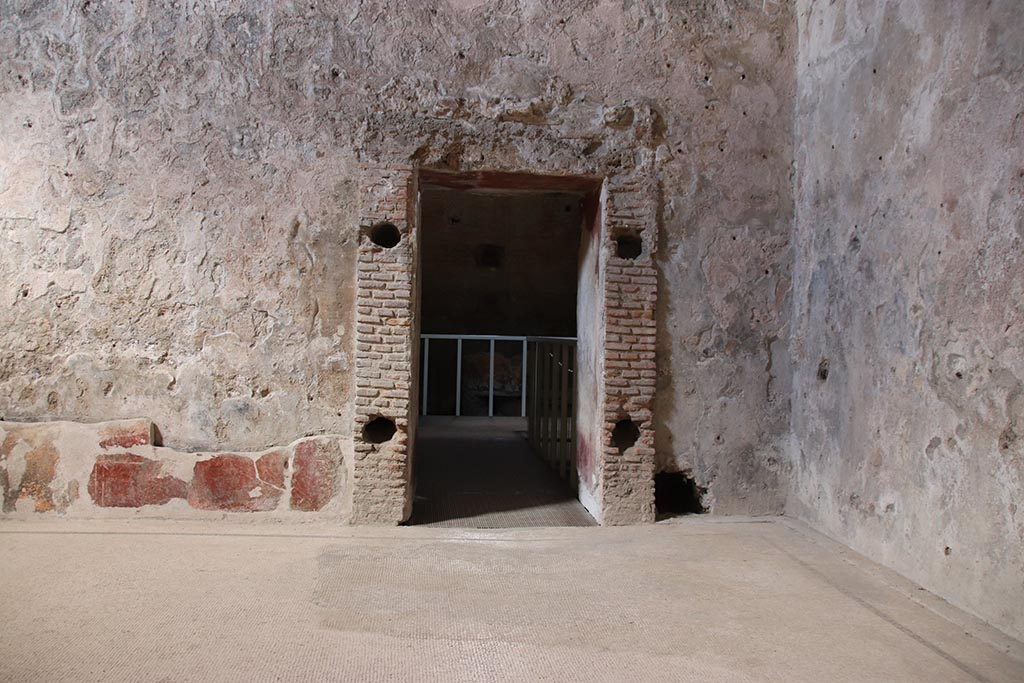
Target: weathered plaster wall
118	469
909	291
590	357
722	404
178	198
177	228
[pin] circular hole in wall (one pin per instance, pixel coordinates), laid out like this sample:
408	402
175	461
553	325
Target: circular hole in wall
624	434
385	235
628	246
379	430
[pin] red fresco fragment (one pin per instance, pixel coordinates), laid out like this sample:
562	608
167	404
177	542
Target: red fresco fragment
127	480
230	482
313	481
126	436
270	468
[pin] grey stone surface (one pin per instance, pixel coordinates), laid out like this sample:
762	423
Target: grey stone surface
909	282
695	601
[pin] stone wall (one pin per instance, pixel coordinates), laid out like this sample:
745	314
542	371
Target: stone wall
119	469
909	281
179	200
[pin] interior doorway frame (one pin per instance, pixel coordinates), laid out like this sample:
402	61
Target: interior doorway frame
616	325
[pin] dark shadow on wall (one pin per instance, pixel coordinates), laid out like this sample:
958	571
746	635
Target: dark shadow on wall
676	493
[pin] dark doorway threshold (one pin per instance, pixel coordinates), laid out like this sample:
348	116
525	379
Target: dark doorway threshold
480	473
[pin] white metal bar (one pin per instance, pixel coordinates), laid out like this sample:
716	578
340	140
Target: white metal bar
542	389
573	408
499	337
531	418
563	414
490	386
426	367
458	377
549	391
483	337
522	384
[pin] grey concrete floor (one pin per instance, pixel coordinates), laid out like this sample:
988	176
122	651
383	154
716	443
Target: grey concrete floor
481	473
698	599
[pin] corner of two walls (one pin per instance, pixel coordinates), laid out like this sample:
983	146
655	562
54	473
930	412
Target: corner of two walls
908	322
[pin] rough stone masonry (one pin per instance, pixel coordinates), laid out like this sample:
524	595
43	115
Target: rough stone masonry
183	223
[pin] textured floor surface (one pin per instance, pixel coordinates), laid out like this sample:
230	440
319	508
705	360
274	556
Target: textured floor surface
700	599
481	473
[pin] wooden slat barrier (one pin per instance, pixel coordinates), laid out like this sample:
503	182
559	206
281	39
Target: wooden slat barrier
551	403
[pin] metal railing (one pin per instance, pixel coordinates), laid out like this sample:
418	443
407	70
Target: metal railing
551	427
547	391
459	338
491	338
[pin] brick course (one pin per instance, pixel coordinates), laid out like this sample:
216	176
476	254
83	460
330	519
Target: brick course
630	292
386	347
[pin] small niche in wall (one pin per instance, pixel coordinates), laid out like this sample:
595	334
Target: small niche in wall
385	235
625	434
823	369
676	493
490	257
379	430
629	246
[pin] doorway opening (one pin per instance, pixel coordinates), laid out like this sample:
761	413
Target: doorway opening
499	278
